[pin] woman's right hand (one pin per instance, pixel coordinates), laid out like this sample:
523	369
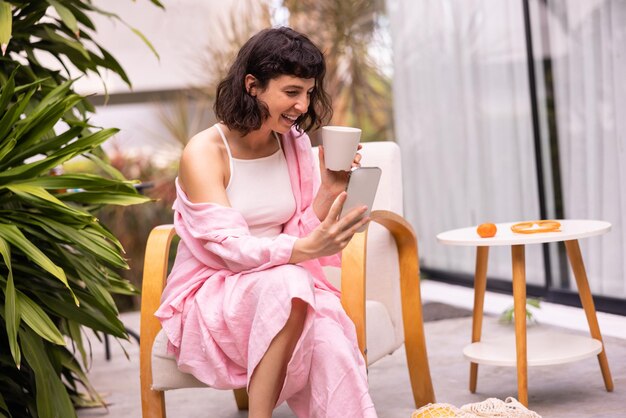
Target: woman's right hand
332	235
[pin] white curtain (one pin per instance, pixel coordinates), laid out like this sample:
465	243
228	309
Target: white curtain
590	90
463	121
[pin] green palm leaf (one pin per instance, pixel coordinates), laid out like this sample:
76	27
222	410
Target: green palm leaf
7	91
11	308
105	197
8	120
7	147
40	193
76	335
44	146
3	407
15	237
87	239
107	168
56	158
66	16
52	398
6	21
38	320
81	181
90	315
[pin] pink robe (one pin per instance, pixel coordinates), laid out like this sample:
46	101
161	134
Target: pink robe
229	294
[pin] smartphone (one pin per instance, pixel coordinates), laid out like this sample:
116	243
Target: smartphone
361	189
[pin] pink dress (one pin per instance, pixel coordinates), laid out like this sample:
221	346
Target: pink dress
231	287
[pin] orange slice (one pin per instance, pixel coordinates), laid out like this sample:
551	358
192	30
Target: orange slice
536	227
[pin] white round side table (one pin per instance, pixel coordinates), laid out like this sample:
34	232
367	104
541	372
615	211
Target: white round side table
542	349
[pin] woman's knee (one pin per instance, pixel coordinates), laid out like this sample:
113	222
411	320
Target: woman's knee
299	309
292	270
292	278
295	323
289	287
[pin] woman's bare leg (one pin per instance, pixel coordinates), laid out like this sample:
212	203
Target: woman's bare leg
269	375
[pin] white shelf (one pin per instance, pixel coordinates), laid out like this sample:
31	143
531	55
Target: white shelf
543	348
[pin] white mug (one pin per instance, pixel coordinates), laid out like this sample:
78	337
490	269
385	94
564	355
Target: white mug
340	146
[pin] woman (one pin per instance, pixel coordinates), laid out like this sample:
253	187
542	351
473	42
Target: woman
247	303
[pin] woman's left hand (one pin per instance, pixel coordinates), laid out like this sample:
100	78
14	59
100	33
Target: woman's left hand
332	183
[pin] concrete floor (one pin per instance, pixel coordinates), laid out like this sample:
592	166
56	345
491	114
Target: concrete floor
570	390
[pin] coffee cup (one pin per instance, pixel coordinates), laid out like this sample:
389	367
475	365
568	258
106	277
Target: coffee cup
340	146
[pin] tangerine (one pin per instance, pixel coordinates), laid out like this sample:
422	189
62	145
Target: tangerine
486	230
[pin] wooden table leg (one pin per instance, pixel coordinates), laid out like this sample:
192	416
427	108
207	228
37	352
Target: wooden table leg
576	261
519	307
480	285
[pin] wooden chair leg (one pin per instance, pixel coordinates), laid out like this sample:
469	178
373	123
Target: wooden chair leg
353	298
480	285
412	316
154	274
576	261
152	402
241	397
415	343
519	306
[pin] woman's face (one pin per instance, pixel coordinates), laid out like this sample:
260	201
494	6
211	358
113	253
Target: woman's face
287	98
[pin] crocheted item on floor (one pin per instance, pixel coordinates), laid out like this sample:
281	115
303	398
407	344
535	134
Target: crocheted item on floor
489	408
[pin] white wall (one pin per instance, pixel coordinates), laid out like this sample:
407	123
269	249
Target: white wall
180	34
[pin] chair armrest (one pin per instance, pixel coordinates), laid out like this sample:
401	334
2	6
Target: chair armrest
353	267
154	276
353	285
353	296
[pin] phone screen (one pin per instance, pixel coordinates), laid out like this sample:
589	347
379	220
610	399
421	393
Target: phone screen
361	189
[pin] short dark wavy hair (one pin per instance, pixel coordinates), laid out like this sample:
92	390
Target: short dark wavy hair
267	55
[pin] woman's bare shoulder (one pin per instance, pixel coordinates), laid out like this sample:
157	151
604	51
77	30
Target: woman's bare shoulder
203	148
208	140
203	166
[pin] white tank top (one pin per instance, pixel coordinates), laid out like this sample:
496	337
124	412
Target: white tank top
260	189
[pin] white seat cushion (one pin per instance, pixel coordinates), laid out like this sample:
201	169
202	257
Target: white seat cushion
165	373
166	376
380	335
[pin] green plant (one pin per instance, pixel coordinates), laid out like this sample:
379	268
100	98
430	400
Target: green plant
508	315
58	264
132	224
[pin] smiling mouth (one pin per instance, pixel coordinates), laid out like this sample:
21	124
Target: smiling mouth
290	117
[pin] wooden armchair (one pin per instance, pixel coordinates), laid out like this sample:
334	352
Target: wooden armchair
391	313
